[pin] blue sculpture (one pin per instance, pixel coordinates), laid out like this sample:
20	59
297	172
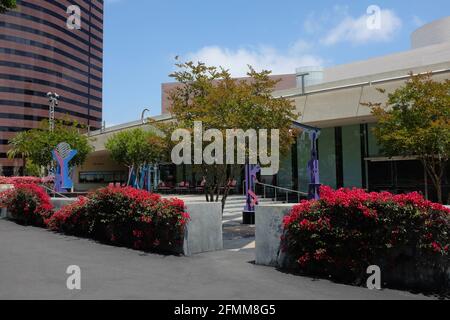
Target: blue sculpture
63	154
146	172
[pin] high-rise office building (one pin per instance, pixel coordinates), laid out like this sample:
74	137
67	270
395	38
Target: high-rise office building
44	49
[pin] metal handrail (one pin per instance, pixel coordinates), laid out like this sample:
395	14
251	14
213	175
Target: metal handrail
281	188
51	191
278	189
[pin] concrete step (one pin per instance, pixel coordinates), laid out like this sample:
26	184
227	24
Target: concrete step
234	207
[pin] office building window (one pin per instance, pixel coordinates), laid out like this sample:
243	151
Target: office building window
102	177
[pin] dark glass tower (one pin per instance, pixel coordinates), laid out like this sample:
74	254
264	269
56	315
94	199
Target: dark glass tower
39	53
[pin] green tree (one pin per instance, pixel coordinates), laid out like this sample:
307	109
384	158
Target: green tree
212	96
416	122
37	144
20	147
31	169
137	147
6	5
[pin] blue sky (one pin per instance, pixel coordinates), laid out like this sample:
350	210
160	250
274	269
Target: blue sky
142	37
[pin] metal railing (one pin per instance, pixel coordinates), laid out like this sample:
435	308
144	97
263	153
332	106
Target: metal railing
53	193
277	192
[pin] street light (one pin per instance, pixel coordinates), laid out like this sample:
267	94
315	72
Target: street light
143	115
302	76
53	102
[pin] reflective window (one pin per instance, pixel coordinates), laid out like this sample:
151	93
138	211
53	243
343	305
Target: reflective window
103	177
327	157
47	59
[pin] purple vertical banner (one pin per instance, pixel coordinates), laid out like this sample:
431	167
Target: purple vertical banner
251	172
313	168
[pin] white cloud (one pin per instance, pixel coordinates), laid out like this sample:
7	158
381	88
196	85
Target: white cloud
417	21
262	57
316	23
356	31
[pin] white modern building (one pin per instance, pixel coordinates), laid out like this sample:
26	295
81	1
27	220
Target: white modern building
328	98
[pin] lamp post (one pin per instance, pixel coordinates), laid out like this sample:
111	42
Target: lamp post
143	115
303	75
53	98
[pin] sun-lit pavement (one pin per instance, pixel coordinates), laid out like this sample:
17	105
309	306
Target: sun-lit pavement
237	237
33	263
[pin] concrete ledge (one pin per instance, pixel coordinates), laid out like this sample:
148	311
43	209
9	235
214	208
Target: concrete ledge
3	213
204	231
269	229
58	203
6	187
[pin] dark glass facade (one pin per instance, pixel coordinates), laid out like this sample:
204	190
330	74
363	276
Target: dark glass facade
40	54
350	157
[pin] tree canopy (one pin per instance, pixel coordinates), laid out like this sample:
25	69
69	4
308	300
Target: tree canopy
210	95
416	122
137	147
6	5
37	144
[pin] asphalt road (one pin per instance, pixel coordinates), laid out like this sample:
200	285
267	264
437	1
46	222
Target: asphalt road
33	265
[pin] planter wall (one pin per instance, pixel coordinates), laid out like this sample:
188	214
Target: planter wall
58	203
3	213
269	229
204	230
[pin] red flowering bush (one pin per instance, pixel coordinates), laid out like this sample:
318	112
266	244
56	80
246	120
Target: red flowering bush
161	226
25	180
27	203
125	216
348	230
72	219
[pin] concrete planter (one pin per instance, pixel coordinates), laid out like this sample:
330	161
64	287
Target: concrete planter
407	273
204	230
3	213
269	229
5	187
58	203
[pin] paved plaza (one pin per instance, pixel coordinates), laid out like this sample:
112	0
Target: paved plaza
33	265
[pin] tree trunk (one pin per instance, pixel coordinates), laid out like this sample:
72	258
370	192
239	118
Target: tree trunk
436	172
24	164
439	192
224	197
